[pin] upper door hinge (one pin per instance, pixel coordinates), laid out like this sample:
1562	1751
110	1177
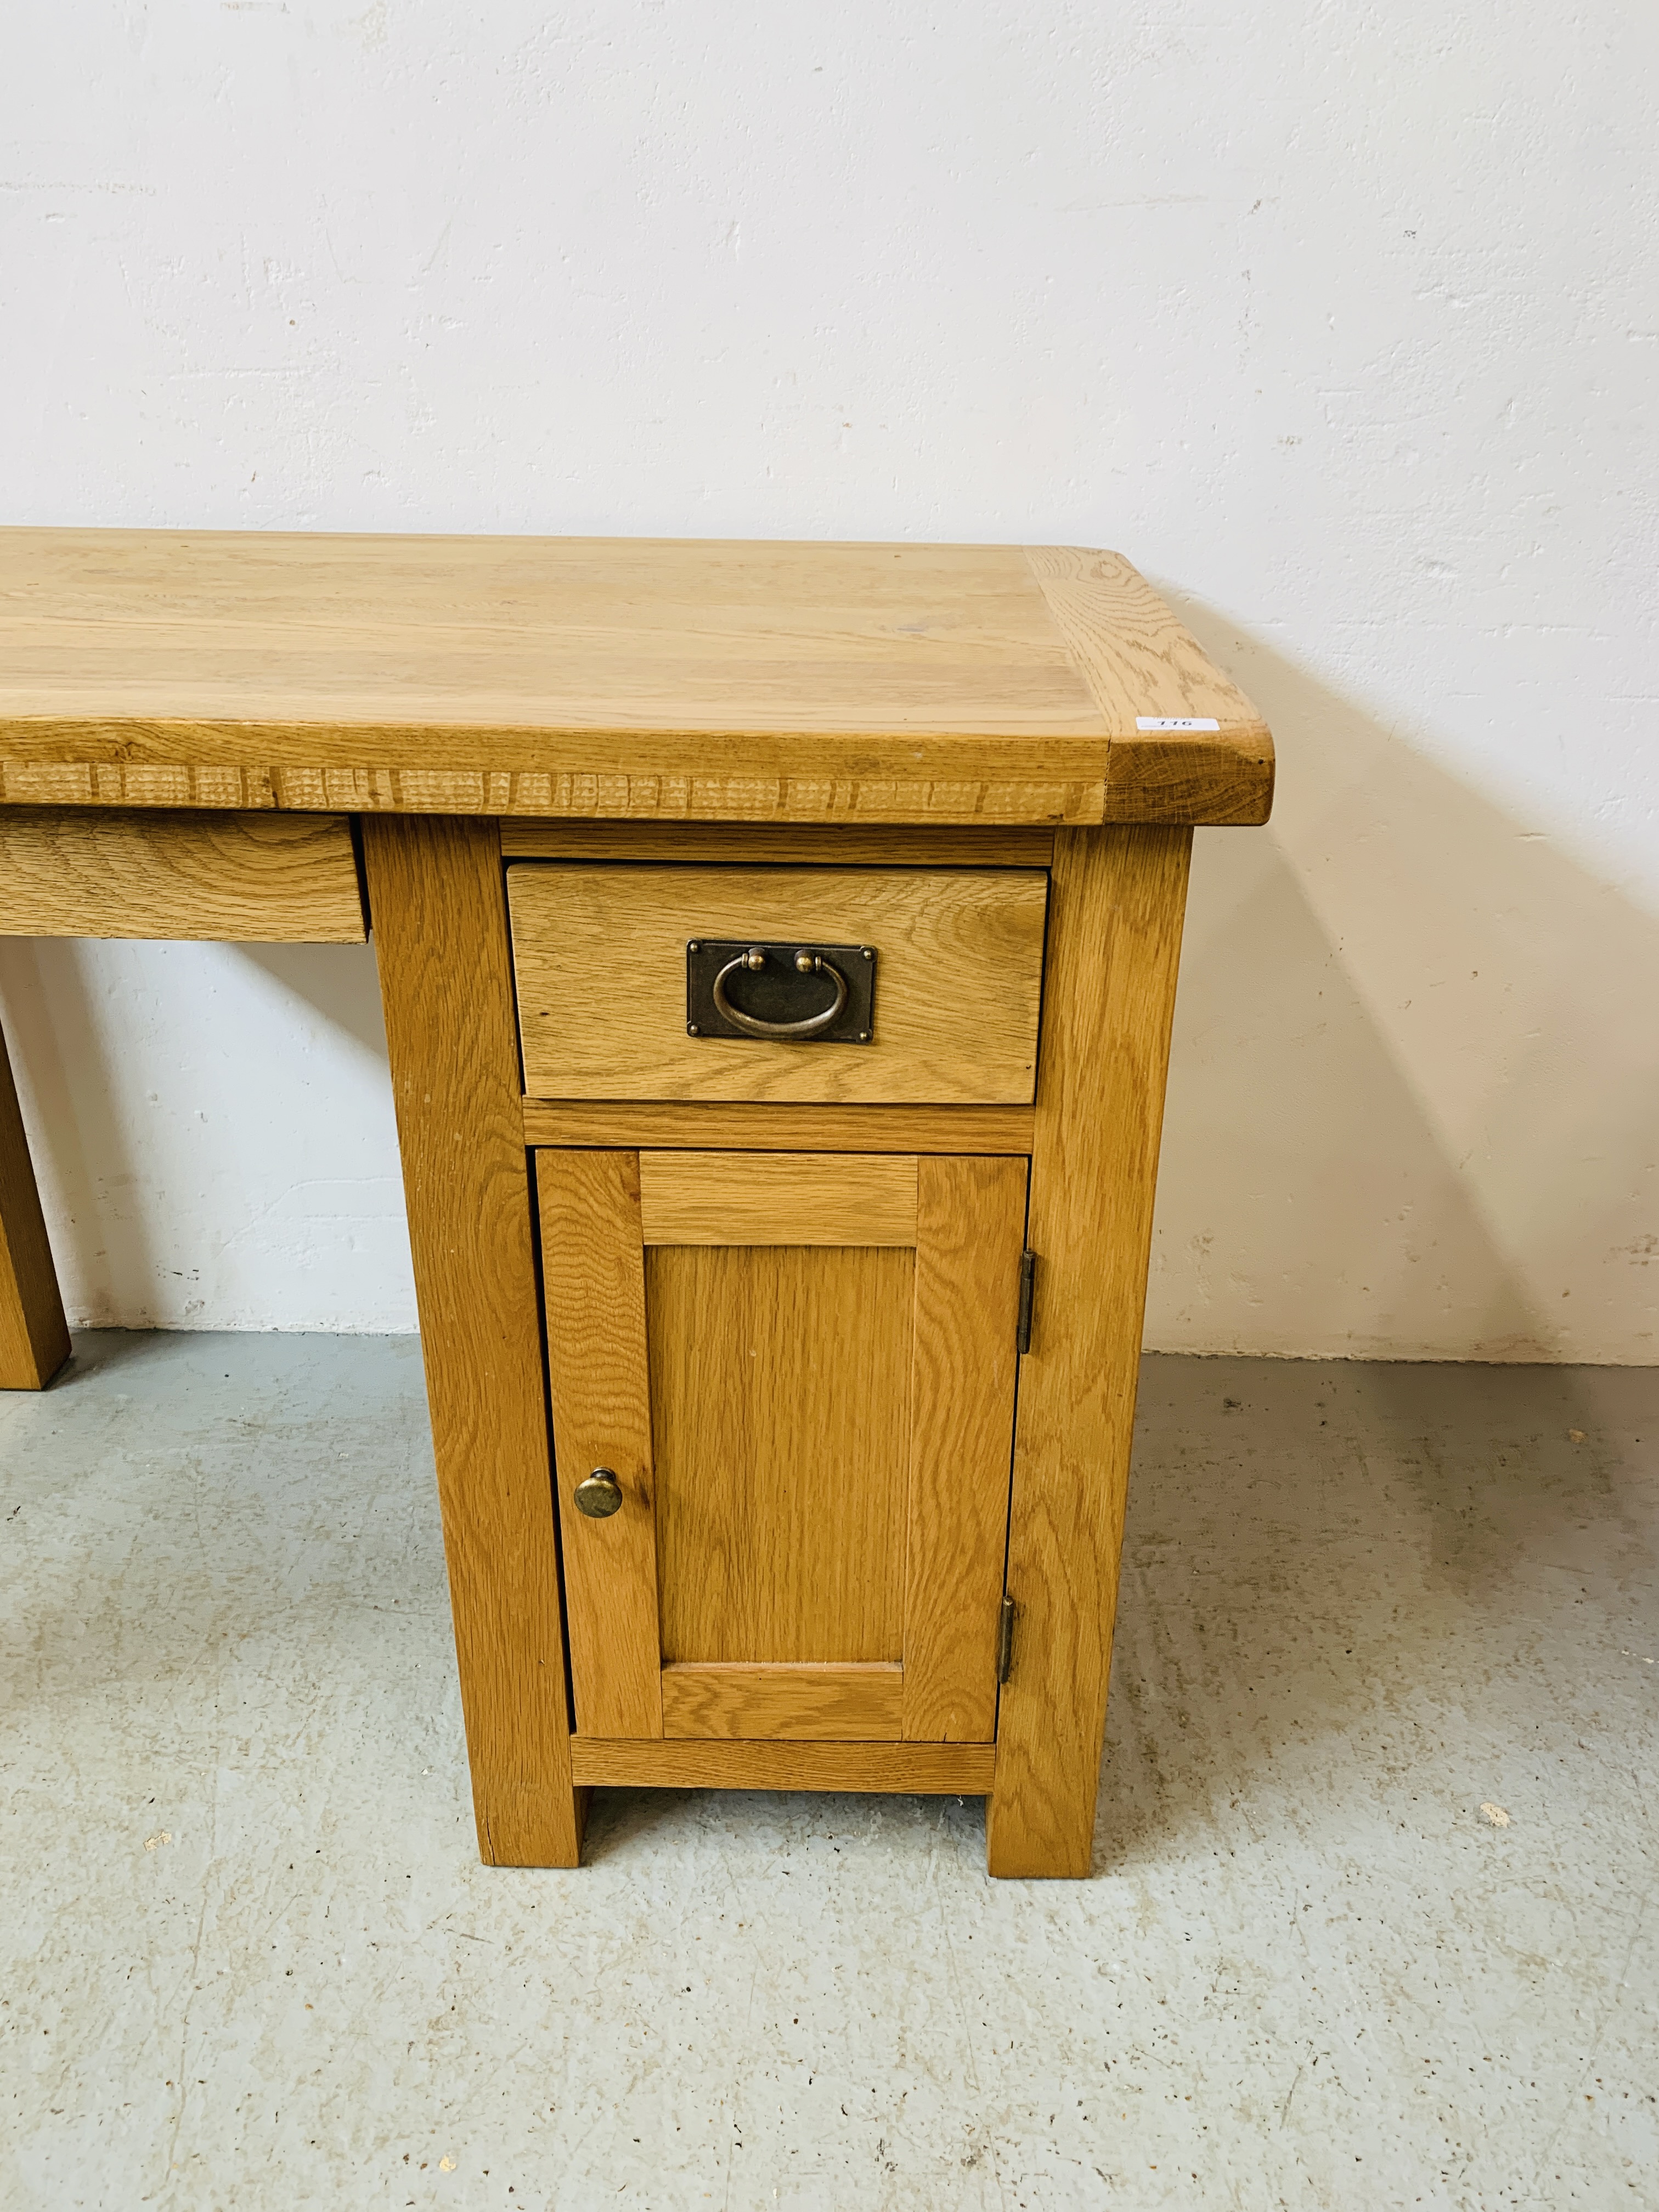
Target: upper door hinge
1006	1641
1027	1291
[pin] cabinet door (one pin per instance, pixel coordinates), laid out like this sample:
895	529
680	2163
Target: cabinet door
799	1370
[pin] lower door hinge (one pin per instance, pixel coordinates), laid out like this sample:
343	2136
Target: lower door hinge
1027	1291
1006	1641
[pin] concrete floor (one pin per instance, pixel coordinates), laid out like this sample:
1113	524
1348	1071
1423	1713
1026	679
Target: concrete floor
1367	1929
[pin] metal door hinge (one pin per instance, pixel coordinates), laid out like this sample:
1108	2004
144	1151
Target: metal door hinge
1006	1641
1027	1291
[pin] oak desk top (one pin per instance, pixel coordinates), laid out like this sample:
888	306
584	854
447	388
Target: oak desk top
611	677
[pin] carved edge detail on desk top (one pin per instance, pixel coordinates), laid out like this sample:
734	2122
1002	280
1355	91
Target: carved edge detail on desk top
134	783
569	795
1204	780
626	797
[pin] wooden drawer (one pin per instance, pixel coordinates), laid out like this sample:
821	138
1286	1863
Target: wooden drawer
252	878
599	958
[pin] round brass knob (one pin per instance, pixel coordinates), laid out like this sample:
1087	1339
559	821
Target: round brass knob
598	1495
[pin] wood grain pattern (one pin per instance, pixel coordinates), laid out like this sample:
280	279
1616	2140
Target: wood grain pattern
776	1197
1138	662
35	1338
766	781
610	679
600	959
265	879
551	635
107	780
890	1769
803	1704
440	935
594	1293
1114	942
641	1125
970	1231
780	1416
839	844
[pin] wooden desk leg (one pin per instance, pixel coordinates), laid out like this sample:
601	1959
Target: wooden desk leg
35	1338
1114	921
438	915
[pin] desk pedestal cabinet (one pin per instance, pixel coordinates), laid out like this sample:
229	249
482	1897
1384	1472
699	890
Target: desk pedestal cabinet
853	1537
779	1188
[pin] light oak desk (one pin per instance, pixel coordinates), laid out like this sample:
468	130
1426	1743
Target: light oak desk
778	945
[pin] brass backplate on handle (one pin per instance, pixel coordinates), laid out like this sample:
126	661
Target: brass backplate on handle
782	993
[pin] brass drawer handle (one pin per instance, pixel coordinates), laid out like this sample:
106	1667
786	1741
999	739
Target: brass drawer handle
598	1495
806	963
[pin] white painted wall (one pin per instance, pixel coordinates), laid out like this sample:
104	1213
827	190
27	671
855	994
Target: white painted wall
1341	321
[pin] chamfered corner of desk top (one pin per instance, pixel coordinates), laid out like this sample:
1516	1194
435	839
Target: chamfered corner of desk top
1207	756
625	678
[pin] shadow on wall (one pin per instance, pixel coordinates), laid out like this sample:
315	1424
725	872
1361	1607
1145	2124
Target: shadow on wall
340	983
1414	1095
90	1182
212	1131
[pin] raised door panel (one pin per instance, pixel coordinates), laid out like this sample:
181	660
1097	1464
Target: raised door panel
780	1421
